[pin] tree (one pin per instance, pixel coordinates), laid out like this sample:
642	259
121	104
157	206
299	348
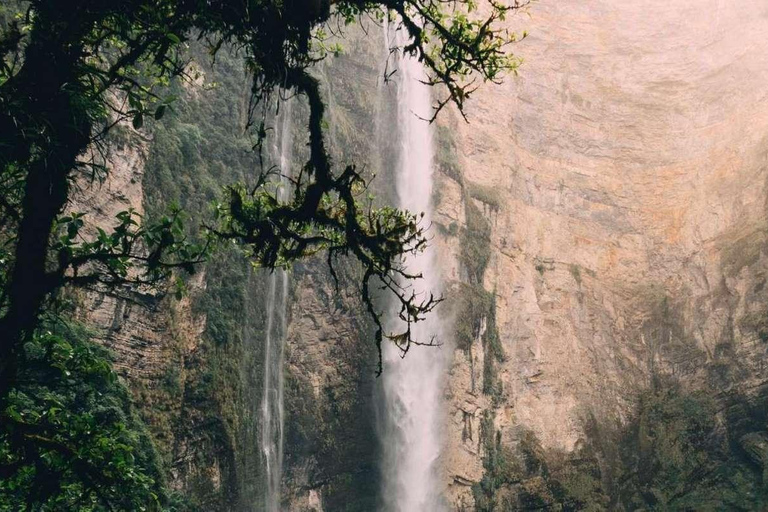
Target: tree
70	438
71	71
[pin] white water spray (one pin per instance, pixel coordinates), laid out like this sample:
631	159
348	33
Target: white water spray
412	385
272	411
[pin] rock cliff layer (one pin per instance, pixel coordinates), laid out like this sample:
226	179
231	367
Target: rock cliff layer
623	177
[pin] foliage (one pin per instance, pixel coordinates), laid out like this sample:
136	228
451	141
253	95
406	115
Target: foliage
476	319
278	233
69	439
494	352
674	453
500	468
200	146
196	150
476	307
68	76
108	258
677	457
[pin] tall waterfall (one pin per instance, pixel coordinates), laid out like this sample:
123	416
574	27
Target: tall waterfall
412	385
272	398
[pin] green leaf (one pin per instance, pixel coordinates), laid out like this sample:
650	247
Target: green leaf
138	121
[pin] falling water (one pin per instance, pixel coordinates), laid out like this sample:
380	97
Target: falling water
272	399
412	385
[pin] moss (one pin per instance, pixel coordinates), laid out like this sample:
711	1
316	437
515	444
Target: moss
576	273
475	244
485	194
446	156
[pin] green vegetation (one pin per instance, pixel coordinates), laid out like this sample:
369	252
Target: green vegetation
475	244
678	456
501	470
67	79
522	479
69	436
201	147
446	157
494	352
485	194
476	307
677	452
197	149
473	307
223	382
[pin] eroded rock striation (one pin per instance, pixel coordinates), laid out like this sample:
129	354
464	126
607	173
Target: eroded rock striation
622	176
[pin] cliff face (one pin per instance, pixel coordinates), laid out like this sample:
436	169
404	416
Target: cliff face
601	225
160	346
191	362
195	365
628	219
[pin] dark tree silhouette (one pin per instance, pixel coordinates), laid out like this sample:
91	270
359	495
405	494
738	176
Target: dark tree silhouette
72	70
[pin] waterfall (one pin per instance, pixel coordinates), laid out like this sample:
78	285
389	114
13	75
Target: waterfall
412	385
272	398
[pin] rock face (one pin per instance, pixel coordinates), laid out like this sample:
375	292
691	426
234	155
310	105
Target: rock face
195	364
628	231
156	342
601	221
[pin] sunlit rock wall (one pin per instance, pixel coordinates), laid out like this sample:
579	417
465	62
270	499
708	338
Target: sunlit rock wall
628	228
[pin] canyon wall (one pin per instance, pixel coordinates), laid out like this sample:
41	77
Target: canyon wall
622	176
600	222
195	363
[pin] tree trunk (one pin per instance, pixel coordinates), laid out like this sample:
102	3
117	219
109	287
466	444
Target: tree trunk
51	115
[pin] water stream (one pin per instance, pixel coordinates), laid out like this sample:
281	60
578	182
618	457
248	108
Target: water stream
412	385
272	409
